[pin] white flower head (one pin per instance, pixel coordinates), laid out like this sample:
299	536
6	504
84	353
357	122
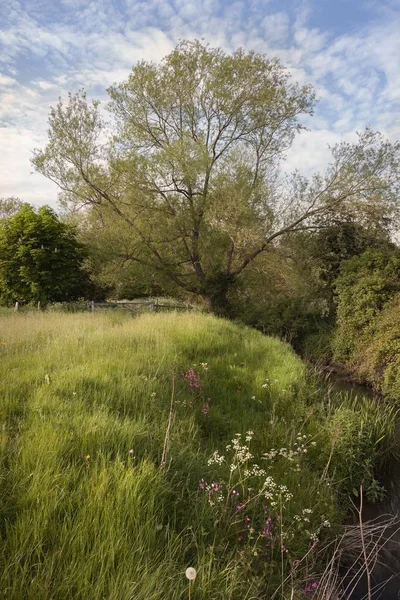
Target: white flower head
191	573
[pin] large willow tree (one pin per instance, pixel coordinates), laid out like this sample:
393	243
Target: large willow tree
186	185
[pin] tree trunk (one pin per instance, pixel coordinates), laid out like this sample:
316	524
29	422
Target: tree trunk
217	295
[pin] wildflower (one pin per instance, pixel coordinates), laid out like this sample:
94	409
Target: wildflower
268	527
206	406
326	524
191	573
131	452
193	380
202	484
215	487
249	435
215	459
153	395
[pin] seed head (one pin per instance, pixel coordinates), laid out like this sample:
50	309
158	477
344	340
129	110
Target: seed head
191	573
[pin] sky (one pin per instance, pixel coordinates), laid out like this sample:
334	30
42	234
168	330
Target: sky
349	50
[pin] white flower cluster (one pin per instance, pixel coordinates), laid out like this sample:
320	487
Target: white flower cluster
291	454
303	517
274	492
242	453
314	536
255	471
249	436
216	459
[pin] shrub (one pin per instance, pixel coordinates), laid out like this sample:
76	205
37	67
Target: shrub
366	283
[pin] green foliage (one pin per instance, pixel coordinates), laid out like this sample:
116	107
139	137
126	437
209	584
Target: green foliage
40	258
366	283
340	242
280	294
9	206
316	344
188	184
363	436
88	510
378	361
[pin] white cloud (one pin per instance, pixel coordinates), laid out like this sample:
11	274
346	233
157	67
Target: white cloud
16	146
6	81
310	152
357	77
276	27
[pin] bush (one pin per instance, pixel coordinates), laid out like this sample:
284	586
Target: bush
366	283
379	360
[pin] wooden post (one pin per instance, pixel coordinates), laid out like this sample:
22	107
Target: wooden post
38	305
92	306
16	306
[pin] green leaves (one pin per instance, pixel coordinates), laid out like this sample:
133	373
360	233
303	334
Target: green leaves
190	167
40	258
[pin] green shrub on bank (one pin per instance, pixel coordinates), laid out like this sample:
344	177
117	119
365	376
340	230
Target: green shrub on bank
366	283
379	359
132	449
368	324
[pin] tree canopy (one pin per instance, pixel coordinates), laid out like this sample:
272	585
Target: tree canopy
189	181
40	258
9	206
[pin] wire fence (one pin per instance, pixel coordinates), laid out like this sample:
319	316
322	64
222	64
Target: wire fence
132	306
138	306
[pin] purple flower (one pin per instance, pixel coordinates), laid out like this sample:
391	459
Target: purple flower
193	380
268	528
202	484
310	588
239	507
205	409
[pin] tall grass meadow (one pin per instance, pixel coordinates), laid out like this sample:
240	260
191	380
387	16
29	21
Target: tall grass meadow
134	449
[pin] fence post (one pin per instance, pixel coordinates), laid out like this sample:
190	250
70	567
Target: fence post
92	306
16	306
38	305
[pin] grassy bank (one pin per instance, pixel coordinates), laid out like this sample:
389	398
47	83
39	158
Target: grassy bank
133	448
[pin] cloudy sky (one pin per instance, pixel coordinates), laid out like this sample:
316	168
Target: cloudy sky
348	49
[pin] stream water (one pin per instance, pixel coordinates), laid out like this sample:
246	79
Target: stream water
385	574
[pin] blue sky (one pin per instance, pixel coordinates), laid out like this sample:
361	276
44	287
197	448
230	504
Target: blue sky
348	49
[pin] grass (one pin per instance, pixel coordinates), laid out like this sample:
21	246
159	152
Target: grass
88	509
